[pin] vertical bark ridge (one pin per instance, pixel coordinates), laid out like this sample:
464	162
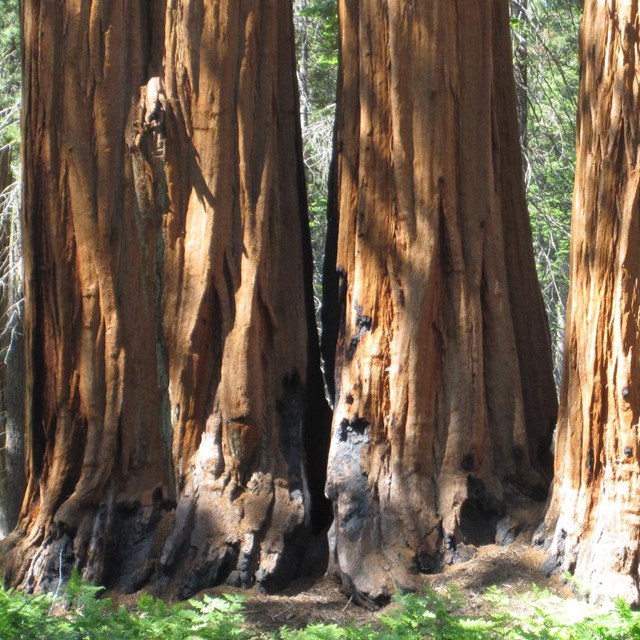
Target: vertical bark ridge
169	335
592	520
433	425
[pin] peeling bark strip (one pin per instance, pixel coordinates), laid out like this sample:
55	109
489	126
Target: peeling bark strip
593	520
172	373
444	390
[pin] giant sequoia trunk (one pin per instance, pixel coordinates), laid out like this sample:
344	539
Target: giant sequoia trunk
169	327
594	516
444	396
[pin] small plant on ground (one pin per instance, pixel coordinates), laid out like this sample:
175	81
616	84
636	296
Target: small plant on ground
78	613
437	616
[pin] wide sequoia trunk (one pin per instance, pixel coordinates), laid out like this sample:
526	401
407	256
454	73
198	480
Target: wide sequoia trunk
593	520
172	372
444	394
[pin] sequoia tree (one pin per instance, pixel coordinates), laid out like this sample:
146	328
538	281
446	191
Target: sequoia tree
173	380
593	521
444	394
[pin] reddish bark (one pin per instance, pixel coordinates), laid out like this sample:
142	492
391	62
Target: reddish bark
444	401
593	521
170	336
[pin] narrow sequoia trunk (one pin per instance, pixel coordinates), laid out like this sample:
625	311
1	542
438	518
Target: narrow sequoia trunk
169	328
445	402
593	520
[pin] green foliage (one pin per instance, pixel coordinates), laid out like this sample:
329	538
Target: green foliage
9	72
316	27
433	616
79	614
9	25
442	617
317	39
331	632
545	35
23	617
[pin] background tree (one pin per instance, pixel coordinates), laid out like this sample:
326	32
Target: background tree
316	27
169	326
12	481
11	347
545	36
10	74
593	516
444	400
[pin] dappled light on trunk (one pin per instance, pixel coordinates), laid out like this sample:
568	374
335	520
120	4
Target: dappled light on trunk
444	394
593	521
172	372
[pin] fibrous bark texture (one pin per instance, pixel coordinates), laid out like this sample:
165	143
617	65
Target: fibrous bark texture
593	520
444	395
172	367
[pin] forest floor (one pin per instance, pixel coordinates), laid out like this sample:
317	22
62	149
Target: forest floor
514	570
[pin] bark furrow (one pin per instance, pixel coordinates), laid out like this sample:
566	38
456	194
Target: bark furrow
593	520
172	366
444	395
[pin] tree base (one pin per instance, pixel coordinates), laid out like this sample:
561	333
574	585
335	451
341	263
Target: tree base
601	571
374	554
258	538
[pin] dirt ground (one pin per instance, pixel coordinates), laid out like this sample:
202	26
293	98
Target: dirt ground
514	569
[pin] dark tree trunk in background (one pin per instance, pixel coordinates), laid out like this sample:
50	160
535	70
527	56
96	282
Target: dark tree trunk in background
520	12
12	480
303	36
444	401
593	521
172	355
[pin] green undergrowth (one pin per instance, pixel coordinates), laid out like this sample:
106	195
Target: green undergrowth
537	616
79	614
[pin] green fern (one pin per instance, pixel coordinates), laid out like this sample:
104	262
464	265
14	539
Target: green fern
81	614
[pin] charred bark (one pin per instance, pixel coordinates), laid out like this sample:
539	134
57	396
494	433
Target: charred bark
592	523
445	401
172	361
